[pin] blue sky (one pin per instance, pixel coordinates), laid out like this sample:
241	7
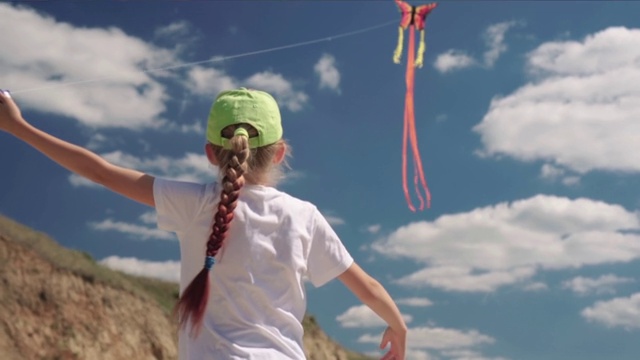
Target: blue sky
528	128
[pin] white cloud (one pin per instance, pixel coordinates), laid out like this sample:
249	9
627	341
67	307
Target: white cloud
281	89
334	220
329	75
452	60
494	39
362	316
209	81
97	141
486	248
552	173
571	180
466	354
374	229
437	338
418	355
175	30
459	278
135	231
78	181
423	343
619	312
581	112
604	284
191	167
415	301
46	52
442	117
410	354
99	74
150	217
163	270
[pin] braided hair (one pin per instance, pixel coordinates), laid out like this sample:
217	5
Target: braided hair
237	165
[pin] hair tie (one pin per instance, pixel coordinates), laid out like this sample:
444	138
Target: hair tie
208	262
240	131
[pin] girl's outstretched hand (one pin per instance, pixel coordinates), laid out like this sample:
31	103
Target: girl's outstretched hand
10	115
398	343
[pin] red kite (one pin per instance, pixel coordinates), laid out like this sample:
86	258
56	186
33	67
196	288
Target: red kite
414	18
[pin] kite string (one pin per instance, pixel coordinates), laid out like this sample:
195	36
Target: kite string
219	59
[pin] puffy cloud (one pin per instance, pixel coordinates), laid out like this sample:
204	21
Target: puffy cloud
437	338
191	167
135	231
458	278
619	312
332	218
581	111
550	172
415	301
209	81
163	270
328	73
374	229
452	60
604	284
494	39
51	53
335	220
467	355
175	30
486	248
281	89
362	316
105	78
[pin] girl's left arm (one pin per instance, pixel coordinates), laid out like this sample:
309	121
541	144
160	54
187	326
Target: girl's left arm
130	183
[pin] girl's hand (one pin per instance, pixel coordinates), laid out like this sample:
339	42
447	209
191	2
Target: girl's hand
10	116
398	344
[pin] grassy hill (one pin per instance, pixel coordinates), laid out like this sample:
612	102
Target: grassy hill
57	303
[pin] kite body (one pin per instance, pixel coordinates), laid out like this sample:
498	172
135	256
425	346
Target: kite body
413	18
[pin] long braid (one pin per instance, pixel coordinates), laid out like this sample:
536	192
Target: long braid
233	164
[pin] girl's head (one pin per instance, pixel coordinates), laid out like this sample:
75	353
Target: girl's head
247	119
244	134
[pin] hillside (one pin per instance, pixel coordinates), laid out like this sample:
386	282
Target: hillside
57	303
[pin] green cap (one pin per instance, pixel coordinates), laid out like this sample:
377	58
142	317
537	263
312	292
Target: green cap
245	106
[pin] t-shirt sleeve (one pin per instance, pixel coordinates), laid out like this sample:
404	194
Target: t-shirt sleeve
328	257
177	203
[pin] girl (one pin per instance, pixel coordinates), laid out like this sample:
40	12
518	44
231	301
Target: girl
261	246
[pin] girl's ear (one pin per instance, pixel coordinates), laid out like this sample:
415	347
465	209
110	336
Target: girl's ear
280	153
211	155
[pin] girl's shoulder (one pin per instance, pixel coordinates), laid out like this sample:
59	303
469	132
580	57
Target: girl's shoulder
280	201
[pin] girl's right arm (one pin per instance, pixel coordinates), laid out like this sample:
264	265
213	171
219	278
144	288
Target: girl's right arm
129	183
373	294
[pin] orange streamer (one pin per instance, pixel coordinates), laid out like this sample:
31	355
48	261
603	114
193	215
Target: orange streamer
410	134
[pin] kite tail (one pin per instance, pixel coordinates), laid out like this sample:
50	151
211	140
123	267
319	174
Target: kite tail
398	52
421	49
410	134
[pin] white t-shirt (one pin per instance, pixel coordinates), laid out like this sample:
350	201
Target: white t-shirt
257	299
